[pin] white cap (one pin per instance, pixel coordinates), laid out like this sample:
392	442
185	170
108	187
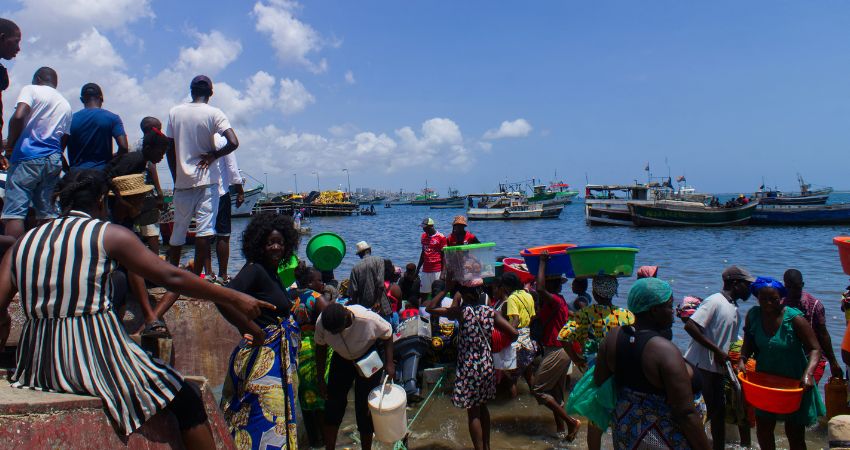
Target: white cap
362	246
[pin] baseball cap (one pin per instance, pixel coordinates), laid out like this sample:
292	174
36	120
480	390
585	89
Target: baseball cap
427	222
91	90
201	81
733	273
459	220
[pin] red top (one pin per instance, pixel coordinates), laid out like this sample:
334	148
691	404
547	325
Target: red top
433	248
451	241
553	316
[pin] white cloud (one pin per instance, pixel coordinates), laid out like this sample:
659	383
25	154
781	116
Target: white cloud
60	21
94	50
510	129
241	106
293	40
293	97
349	77
214	52
439	145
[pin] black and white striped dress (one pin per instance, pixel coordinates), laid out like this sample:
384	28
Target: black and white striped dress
72	341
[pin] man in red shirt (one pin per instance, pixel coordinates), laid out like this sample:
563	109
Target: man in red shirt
459	234
549	383
431	259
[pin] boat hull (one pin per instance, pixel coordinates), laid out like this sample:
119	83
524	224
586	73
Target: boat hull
439	201
616	215
520	213
672	215
251	199
555	198
835	214
808	200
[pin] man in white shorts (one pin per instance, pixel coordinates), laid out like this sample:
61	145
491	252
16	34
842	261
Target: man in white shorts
193	127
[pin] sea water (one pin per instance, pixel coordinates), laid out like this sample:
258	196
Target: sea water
691	259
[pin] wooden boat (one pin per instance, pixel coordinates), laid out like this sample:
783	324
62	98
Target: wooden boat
511	206
835	214
607	204
449	206
555	193
430	198
251	198
806	196
677	213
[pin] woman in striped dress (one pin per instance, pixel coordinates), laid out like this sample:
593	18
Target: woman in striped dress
71	340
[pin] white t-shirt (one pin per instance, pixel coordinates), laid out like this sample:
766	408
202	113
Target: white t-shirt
49	119
228	170
352	342
193	127
719	319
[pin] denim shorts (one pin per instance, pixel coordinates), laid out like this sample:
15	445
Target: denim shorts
31	183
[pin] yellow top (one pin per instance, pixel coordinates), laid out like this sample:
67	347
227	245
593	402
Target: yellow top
521	304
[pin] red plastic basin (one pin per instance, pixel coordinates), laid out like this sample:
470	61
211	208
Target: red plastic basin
843	243
508	266
771	393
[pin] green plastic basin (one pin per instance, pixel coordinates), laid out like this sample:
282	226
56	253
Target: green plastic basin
286	271
325	251
592	260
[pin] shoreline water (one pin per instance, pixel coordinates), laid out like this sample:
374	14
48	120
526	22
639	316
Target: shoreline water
691	259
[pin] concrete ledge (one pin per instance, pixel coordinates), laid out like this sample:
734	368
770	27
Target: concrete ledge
31	419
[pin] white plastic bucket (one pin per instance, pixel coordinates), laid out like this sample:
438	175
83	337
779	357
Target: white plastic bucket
388	405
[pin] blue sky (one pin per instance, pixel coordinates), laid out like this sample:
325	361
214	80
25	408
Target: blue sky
401	92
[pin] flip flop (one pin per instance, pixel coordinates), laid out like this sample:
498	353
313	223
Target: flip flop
157	329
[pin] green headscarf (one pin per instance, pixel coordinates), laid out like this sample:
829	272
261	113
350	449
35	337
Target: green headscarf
648	292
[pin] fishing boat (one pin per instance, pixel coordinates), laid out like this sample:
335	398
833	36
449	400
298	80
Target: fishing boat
806	196
554	193
834	214
431	198
251	198
607	204
678	213
510	206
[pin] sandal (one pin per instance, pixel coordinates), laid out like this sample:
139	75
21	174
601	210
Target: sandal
156	329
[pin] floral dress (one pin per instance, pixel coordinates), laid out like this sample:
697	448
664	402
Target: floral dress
476	376
588	326
258	397
305	314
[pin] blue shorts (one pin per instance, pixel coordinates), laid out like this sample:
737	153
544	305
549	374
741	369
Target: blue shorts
31	183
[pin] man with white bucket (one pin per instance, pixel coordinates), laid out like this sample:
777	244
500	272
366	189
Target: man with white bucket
355	334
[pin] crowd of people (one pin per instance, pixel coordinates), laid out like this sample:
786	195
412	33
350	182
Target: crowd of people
81	214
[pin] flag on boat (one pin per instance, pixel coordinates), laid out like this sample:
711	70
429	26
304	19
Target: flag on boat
647	167
680	179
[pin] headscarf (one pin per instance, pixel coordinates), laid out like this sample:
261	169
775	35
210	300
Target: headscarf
648	292
366	285
767	282
605	286
647	272
688	307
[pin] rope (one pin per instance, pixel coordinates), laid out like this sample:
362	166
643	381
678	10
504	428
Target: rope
400	445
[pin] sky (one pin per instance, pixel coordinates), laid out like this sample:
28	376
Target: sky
469	94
